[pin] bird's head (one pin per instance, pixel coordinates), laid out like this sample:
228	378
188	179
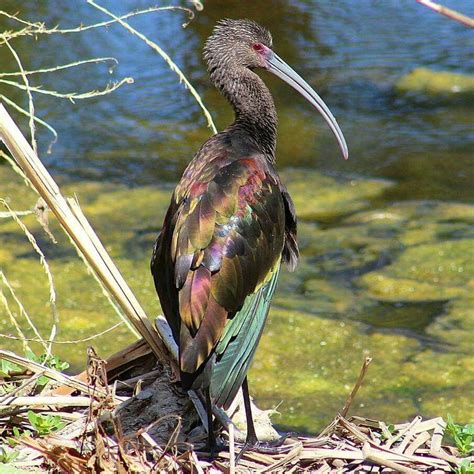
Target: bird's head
244	43
237	43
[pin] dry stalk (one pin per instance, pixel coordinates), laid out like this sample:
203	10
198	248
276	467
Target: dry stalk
48	372
10	102
54	341
38	28
22	310
72	96
377	458
354	391
27	87
14	322
90	247
454	15
47	401
17	169
63	66
47	270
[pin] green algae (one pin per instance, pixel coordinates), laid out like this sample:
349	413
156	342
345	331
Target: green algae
430	82
378	281
429	272
319	197
385	288
83	309
317	362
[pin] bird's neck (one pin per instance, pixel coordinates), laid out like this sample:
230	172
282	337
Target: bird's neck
253	105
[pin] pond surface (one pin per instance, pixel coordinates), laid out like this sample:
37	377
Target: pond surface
387	238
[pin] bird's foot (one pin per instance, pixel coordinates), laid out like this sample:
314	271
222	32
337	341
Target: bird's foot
278	446
214	448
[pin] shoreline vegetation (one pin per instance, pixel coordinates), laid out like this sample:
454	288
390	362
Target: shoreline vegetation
119	416
127	413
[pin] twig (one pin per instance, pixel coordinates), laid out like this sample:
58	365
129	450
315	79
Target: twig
454	15
36	119
22	309
165	56
231	449
14	322
27	87
47	270
354	391
72	96
92	250
62	66
76	341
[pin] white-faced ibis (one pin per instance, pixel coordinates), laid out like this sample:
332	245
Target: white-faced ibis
230	224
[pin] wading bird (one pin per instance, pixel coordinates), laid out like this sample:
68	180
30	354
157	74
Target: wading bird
230	224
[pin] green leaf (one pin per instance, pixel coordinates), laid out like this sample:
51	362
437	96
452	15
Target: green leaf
8	455
45	424
7	368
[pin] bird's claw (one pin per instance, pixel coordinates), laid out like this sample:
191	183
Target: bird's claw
214	449
277	446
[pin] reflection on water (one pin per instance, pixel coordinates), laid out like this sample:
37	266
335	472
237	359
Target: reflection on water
354	232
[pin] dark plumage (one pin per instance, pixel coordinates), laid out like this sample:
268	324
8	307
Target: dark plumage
229	225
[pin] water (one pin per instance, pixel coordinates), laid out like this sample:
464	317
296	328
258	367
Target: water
353	53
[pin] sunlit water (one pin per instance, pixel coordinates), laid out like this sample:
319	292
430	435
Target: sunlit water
144	134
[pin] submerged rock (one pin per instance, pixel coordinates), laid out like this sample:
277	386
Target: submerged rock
430	272
323	198
430	82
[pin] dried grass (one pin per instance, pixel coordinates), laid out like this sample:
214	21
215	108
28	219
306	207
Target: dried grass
95	439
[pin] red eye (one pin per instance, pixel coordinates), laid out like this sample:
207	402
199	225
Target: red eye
258	47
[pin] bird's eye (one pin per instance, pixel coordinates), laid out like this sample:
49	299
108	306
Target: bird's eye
258	47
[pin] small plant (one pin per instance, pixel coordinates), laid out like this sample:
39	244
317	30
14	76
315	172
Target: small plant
391	429
7	368
17	434
45	424
466	467
463	436
53	362
8	455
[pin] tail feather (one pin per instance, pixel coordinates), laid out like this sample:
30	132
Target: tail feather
238	344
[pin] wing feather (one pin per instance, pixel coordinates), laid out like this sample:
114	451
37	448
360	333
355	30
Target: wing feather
222	245
238	343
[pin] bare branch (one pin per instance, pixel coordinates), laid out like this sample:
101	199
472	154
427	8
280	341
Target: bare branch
72	96
31	105
454	15
63	66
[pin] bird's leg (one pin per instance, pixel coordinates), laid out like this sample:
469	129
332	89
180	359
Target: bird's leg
251	439
211	436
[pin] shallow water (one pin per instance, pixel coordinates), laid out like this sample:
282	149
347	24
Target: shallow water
387	237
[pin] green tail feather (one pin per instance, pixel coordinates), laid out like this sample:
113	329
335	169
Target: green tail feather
238	344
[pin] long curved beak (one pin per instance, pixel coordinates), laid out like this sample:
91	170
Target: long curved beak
278	67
